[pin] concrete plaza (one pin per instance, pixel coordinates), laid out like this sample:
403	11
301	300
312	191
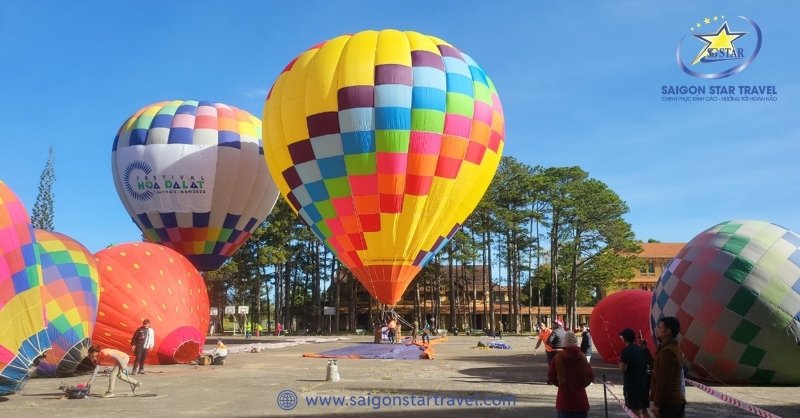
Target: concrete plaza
462	381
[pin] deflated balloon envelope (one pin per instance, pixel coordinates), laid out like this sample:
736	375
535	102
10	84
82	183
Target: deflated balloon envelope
23	334
384	143
70	295
192	176
141	281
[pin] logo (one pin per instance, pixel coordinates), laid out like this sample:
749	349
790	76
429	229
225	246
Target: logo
287	400
135	170
142	183
717	47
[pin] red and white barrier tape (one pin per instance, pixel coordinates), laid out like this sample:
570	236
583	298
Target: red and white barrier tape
732	401
630	413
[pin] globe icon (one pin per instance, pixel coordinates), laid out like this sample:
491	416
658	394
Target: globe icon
287	400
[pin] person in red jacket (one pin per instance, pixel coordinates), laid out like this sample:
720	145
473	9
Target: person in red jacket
571	372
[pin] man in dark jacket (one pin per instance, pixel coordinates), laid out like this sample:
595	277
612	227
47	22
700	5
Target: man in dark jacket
142	341
666	396
556	339
586	342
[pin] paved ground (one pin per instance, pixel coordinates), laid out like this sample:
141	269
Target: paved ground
249	385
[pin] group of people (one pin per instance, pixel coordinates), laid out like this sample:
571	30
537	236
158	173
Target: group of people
651	385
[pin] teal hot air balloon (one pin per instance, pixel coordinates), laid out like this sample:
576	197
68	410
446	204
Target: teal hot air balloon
192	175
70	295
23	334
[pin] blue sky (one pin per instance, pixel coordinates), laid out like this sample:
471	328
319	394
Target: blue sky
580	85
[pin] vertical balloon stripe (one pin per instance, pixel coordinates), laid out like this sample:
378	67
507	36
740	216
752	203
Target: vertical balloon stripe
377	140
71	295
22	323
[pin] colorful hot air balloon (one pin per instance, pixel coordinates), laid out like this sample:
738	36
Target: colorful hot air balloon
192	176
736	290
141	281
383	142
23	334
617	311
70	296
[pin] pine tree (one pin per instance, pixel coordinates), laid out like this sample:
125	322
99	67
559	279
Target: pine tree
43	214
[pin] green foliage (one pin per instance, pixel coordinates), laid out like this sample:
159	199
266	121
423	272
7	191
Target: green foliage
43	213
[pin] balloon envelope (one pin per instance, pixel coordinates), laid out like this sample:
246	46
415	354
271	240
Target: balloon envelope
23	335
192	176
141	281
735	288
617	311
384	143
70	295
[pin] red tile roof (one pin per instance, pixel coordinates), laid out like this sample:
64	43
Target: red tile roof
661	249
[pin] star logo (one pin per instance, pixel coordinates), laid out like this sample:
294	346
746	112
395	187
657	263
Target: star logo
718	46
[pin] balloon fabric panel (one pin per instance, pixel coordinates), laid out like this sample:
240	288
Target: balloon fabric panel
148	281
70	295
384	143
23	335
192	176
736	290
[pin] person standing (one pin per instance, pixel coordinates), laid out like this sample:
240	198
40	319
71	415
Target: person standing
570	371
426	333
556	339
666	393
635	381
544	334
142	341
414	332
119	361
586	342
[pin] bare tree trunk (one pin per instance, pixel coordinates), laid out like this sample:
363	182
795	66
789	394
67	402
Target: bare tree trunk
491	284
554	267
338	279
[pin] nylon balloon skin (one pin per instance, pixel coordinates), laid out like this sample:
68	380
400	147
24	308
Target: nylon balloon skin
735	288
70	295
23	334
149	281
384	143
192	176
617	311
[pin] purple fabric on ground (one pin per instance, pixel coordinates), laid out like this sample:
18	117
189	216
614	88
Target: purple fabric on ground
377	351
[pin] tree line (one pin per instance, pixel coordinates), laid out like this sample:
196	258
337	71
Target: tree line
552	236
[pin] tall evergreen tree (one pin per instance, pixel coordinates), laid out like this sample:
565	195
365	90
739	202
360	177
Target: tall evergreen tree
43	214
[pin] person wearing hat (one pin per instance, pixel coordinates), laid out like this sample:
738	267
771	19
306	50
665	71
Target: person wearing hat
556	339
571	372
635	381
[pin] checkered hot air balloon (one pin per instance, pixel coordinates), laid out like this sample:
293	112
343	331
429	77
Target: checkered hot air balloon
70	295
192	176
23	334
141	281
736	290
384	142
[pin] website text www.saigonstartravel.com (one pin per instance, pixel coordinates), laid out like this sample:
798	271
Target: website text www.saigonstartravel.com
289	400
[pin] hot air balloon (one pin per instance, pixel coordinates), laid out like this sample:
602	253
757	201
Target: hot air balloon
735	288
70	295
141	281
23	334
384	143
617	311
192	176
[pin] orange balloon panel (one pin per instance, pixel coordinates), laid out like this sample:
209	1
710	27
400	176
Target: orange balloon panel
148	281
